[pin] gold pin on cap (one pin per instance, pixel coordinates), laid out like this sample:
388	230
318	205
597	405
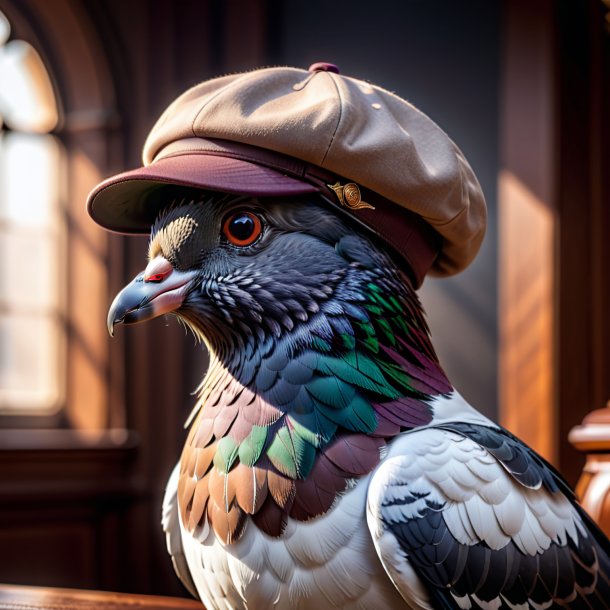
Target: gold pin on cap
349	196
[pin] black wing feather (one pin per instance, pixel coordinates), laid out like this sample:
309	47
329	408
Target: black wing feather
571	575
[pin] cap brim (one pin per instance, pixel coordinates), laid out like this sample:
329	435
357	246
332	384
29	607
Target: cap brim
130	202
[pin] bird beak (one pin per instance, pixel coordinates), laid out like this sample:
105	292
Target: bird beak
159	289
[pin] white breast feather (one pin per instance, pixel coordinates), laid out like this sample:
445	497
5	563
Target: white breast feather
326	563
170	522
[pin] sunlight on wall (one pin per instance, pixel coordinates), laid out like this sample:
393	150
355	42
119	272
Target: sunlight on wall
527	237
32	327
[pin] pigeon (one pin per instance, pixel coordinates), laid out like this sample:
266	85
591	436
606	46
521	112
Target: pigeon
330	463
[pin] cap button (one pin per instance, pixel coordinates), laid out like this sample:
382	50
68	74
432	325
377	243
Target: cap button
323	66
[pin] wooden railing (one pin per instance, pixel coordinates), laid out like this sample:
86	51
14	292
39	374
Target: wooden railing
14	597
592	437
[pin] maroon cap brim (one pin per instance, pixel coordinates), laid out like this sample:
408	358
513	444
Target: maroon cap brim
130	202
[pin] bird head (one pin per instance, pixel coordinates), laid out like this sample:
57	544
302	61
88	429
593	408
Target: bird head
239	270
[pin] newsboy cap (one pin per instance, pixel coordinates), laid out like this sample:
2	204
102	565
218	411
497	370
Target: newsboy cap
287	131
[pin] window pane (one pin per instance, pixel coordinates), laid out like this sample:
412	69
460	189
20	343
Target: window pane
32	332
30	369
29	168
28	272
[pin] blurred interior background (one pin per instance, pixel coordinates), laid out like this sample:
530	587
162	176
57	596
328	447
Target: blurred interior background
90	428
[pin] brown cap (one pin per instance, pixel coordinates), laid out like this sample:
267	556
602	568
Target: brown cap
287	131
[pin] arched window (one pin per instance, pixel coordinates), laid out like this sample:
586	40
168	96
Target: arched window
32	235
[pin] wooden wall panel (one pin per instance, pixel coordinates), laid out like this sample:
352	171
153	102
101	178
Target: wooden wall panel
44	554
65	501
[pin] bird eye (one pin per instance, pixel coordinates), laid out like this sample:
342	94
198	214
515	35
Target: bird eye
242	228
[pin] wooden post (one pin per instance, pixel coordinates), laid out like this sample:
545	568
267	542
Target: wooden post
592	437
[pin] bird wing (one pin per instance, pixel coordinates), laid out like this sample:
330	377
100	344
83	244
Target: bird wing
173	535
484	522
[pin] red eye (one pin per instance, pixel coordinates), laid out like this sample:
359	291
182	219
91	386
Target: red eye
242	228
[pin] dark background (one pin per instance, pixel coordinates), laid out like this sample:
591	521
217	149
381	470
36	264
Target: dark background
84	511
